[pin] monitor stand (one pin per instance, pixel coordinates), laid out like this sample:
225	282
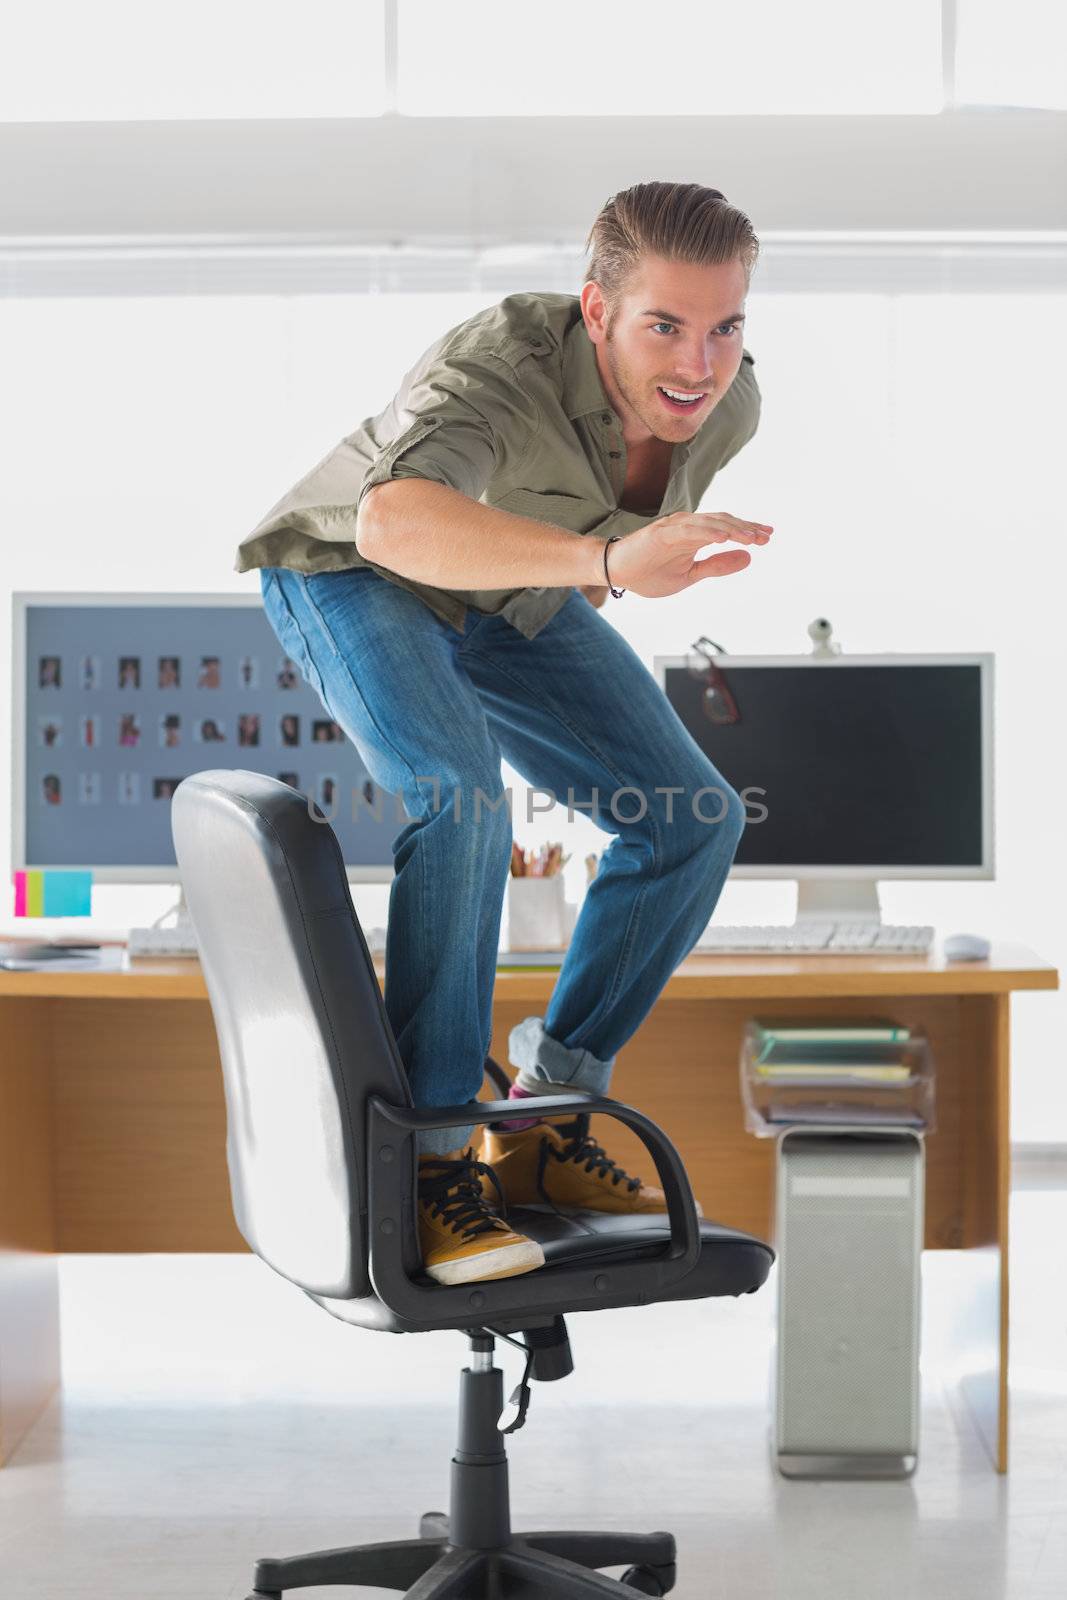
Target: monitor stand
837	900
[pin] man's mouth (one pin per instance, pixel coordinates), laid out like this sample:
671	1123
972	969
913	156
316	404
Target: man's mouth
681	399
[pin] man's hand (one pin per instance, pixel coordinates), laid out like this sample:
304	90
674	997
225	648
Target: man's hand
595	593
660	558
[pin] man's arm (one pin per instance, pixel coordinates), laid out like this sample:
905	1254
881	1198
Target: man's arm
437	535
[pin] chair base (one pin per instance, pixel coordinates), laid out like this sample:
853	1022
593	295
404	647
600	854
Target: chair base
561	1565
471	1554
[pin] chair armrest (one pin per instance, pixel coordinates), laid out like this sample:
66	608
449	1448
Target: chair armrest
391	1181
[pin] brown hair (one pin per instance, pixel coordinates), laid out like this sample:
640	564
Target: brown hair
679	221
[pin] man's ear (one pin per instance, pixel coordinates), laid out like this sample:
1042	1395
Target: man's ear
594	310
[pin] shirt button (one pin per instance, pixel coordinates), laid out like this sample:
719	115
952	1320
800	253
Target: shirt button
615	454
605	416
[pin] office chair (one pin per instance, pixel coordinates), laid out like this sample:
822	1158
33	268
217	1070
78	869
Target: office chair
323	1166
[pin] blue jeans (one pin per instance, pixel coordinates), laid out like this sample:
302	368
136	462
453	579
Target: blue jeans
431	710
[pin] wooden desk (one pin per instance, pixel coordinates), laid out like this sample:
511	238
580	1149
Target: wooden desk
112	1121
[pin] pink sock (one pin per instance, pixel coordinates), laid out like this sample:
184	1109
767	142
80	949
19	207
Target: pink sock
513	1126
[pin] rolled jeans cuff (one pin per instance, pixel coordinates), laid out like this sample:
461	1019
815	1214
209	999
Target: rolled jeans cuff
442	1141
545	1065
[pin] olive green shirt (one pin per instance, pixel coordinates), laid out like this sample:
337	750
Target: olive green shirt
507	407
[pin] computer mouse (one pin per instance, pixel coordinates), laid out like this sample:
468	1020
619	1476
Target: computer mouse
966	947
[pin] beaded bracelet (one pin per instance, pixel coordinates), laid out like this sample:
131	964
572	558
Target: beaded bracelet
618	593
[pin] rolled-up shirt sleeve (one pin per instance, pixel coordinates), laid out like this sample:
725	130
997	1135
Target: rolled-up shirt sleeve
467	416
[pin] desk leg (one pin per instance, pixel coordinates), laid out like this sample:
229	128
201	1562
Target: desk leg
29	1288
985	1041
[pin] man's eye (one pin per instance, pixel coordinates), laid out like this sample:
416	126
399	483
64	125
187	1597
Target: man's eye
724	327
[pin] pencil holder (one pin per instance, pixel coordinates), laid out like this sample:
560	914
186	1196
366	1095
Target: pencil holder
537	915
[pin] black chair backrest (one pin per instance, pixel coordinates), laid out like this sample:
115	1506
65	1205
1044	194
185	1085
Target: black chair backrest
302	1029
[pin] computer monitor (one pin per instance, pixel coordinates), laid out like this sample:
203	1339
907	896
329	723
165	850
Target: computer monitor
866	767
119	696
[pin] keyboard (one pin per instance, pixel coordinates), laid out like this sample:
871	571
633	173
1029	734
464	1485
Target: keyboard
829	938
180	940
177	940
818	939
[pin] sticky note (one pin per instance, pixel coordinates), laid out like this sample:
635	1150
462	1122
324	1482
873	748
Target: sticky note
53	894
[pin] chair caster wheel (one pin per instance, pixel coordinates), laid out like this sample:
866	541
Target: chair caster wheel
651	1580
433	1525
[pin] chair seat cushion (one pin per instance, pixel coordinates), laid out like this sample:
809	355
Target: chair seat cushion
730	1263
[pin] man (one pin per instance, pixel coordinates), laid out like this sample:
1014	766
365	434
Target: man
438	579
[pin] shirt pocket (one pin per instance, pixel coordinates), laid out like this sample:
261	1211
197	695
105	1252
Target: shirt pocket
573	512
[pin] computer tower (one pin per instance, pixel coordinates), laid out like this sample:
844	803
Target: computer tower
849	1210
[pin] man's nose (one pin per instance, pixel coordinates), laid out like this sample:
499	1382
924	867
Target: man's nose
700	359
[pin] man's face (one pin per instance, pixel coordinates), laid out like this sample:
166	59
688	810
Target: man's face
675	326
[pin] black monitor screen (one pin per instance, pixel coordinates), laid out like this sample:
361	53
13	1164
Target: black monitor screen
123	701
877	765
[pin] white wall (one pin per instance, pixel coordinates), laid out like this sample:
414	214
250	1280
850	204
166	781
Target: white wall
906	457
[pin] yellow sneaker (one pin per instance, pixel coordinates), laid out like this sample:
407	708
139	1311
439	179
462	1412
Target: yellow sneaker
557	1166
462	1240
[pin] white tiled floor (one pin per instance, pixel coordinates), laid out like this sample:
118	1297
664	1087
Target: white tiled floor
212	1415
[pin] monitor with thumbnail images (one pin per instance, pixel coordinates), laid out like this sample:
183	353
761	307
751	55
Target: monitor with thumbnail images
118	697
